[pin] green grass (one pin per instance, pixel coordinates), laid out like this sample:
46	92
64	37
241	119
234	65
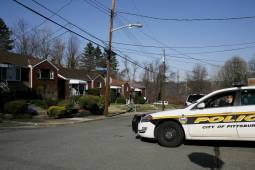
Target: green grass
117	108
121	108
145	107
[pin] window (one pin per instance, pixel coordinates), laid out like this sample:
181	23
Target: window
24	74
45	74
220	100
2	74
99	85
51	75
10	74
248	97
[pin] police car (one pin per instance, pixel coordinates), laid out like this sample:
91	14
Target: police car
227	114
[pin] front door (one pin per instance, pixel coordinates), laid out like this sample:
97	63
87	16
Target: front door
216	119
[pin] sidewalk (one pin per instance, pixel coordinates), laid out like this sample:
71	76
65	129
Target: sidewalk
55	122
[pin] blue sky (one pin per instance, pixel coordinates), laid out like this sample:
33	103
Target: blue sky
161	33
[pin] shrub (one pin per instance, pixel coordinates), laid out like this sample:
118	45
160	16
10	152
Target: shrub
74	99
139	100
120	100
112	96
51	102
56	111
69	105
15	107
46	103
95	104
94	92
39	103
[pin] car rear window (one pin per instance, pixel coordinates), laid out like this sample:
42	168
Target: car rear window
248	97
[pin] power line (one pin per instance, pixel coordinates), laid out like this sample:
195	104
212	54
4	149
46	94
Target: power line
74	25
132	51
220	51
180	53
123	43
98	7
187	19
79	35
106	9
209	46
204	52
58	35
37	26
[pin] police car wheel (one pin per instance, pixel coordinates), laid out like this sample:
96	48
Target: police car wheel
170	134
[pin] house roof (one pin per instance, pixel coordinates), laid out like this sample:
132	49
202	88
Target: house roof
12	58
138	85
33	61
69	73
117	82
19	59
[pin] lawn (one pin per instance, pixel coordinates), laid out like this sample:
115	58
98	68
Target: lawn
120	108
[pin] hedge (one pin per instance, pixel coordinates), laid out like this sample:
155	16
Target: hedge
95	104
139	100
56	111
15	107
93	92
120	100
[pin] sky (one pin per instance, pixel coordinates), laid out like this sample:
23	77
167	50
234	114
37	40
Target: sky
91	16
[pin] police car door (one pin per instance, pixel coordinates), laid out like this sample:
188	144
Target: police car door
210	117
246	114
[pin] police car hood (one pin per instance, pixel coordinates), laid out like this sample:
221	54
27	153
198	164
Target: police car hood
169	113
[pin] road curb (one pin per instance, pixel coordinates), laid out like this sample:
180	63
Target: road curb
27	125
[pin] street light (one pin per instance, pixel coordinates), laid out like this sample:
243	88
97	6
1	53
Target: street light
107	83
128	26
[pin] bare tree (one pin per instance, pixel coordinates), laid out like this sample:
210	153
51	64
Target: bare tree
151	80
252	67
21	41
58	48
197	81
44	49
234	70
129	72
134	71
72	51
35	42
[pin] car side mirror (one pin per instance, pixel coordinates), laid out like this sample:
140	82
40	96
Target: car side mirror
201	106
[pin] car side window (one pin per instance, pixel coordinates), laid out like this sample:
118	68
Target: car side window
248	97
220	100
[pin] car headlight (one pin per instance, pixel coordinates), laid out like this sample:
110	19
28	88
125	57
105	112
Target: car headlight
146	118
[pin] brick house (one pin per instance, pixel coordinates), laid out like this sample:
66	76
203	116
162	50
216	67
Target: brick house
120	88
21	73
251	81
44	78
14	71
98	82
138	89
73	82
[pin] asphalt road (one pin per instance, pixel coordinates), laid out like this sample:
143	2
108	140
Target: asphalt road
110	144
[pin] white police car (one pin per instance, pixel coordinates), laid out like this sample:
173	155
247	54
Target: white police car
227	114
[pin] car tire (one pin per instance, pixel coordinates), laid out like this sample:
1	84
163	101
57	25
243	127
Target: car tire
170	134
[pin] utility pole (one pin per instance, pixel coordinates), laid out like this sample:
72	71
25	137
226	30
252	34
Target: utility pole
163	81
107	83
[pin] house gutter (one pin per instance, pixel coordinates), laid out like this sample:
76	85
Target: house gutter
31	76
